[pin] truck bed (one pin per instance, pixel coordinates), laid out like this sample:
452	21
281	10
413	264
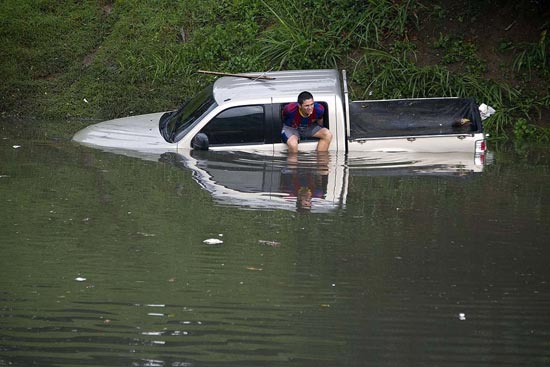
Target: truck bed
412	117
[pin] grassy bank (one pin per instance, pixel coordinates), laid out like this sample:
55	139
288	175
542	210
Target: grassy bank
95	60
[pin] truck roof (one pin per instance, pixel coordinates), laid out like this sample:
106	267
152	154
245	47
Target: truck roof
286	84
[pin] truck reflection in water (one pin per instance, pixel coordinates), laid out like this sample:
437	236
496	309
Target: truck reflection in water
307	182
302	182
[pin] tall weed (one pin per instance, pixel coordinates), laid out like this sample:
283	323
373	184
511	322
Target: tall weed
534	57
318	34
384	75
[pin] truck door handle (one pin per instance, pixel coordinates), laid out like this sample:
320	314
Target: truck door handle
411	139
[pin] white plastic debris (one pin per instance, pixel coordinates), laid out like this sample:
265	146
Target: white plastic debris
152	333
213	241
485	111
16	146
269	243
462	316
80	279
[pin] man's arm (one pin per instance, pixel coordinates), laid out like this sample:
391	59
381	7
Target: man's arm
320	111
287	114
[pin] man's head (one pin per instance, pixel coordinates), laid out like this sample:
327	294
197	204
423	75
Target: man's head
305	100
303	199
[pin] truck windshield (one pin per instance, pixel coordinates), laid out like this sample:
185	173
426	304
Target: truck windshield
174	125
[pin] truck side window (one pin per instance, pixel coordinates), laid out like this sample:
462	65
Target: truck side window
237	125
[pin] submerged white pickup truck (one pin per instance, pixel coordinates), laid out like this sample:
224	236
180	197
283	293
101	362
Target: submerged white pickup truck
243	113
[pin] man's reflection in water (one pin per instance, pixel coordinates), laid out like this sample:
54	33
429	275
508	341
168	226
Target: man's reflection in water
307	179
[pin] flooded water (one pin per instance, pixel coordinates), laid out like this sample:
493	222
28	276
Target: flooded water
214	260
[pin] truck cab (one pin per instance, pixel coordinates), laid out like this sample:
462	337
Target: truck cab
236	113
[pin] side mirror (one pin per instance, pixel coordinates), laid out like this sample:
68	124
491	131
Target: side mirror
200	142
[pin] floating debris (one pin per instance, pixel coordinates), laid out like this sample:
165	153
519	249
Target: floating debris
213	241
253	268
462	316
179	332
269	243
16	146
144	234
80	279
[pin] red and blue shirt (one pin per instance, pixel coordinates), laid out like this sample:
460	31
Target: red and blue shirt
293	118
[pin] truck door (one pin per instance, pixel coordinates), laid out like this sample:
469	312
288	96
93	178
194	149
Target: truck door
239	128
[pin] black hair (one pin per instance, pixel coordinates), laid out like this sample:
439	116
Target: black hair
304	96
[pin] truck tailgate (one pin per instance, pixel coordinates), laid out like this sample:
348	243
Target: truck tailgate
470	143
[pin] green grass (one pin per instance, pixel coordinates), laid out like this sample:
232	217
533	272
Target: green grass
380	74
67	60
43	46
320	34
457	51
534	57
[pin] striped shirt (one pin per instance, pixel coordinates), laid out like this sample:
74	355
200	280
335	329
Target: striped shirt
293	118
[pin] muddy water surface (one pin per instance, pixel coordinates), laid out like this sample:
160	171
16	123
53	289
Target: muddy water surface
104	261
